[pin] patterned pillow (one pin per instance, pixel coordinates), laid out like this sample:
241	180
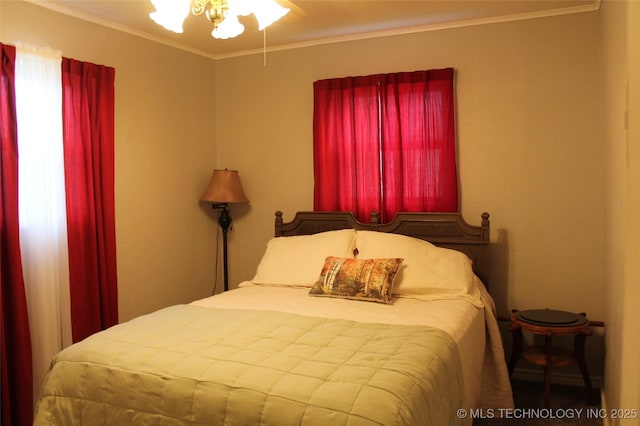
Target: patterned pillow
361	279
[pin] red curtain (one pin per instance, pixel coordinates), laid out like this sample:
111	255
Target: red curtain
88	136
16	373
345	159
385	143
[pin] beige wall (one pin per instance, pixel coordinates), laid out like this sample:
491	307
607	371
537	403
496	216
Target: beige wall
621	110
526	101
614	88
630	376
530	150
164	148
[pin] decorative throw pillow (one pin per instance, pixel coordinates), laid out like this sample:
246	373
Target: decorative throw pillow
361	279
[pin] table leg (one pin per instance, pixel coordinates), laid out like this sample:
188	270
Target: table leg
516	349
578	353
547	370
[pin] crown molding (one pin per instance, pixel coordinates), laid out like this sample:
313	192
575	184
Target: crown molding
331	40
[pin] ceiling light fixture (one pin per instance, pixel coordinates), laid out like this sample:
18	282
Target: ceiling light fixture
223	14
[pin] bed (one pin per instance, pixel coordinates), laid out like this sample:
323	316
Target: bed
343	323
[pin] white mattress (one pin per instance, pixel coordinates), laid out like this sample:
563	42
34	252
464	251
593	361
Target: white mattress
464	322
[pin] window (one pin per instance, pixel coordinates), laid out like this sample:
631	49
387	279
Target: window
58	218
385	143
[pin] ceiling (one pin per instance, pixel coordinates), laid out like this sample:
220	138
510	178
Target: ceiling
313	22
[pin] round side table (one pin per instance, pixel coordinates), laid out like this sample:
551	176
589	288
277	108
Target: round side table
549	323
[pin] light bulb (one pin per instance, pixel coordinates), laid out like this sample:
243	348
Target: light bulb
230	27
170	13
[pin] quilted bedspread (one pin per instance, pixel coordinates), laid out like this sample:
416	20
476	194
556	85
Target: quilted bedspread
193	365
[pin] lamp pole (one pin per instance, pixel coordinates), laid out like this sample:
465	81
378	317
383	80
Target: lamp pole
224	219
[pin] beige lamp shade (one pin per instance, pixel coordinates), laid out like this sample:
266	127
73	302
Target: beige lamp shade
224	187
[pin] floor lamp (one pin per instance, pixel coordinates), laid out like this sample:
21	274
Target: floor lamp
224	188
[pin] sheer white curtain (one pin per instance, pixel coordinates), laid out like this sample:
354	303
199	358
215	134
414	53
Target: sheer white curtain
42	209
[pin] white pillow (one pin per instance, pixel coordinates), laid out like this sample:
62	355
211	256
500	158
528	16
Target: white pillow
428	272
298	260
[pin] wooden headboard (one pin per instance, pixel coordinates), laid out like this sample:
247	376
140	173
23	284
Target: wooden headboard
442	229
